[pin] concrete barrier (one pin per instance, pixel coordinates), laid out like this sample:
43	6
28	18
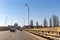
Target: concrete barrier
4	28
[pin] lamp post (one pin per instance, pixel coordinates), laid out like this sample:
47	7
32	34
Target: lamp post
28	12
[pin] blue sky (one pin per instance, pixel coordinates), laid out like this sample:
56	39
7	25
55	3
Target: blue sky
15	10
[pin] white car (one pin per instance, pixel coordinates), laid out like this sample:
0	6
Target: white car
12	29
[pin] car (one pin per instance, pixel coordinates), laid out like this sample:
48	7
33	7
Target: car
12	29
20	29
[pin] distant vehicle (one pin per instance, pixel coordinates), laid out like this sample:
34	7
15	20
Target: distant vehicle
12	29
20	29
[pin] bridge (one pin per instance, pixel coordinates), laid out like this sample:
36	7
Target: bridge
50	33
19	35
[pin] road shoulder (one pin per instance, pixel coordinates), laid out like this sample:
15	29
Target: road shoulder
35	37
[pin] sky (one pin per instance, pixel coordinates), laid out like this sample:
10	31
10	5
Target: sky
15	11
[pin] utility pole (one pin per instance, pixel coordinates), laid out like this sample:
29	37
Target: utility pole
28	12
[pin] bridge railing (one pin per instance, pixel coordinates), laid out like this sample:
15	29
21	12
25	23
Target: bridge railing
50	31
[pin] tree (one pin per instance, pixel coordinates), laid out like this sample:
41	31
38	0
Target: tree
50	22
45	22
16	24
31	24
55	21
37	24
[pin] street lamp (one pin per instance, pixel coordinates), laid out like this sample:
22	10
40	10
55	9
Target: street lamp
28	12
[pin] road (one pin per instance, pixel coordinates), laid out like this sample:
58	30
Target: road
18	35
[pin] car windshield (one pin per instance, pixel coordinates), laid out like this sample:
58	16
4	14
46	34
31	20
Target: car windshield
29	19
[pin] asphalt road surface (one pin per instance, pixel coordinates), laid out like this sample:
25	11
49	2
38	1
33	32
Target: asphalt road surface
18	35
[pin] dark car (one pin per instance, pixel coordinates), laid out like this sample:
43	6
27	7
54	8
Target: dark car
20	29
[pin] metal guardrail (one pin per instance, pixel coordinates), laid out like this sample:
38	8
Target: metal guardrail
46	33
